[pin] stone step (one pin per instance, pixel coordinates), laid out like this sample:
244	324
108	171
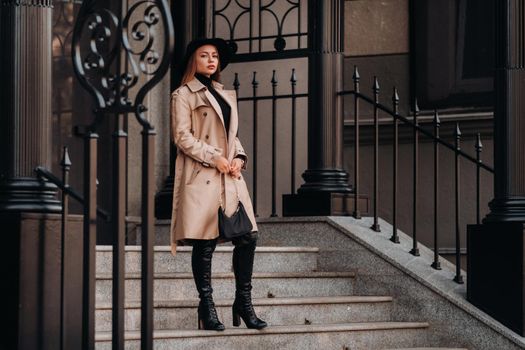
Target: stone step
428	349
276	311
267	259
180	286
355	336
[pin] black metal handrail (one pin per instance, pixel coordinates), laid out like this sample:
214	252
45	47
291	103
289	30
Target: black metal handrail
438	141
43	172
420	129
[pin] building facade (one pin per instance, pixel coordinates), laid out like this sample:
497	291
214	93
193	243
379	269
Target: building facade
299	68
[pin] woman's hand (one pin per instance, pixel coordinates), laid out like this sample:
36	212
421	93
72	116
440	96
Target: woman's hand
235	167
222	165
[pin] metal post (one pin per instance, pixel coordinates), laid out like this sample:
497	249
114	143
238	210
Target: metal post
148	237
274	145
479	148
90	238
66	166
355	78
415	249
457	135
293	82
436	264
255	84
375	89
395	103
118	225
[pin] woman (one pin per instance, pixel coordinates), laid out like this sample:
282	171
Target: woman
207	171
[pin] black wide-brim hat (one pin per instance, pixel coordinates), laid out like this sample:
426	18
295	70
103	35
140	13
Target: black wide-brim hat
222	47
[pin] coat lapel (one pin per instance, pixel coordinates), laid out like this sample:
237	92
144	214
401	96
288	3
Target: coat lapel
195	85
214	104
230	98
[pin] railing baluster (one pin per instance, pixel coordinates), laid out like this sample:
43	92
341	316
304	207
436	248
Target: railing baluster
457	134
479	148
356	78
250	43
148	237
255	84
293	81
89	244
415	249
66	166
118	225
436	264
375	225
395	103
236	84
274	140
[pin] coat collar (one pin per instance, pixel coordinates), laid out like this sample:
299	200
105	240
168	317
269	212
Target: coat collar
195	85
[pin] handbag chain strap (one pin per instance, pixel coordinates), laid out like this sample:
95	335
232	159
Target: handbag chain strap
223	176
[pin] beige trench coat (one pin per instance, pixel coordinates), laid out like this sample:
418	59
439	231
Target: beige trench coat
199	133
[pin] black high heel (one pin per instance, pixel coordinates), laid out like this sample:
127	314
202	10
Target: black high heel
236	318
247	313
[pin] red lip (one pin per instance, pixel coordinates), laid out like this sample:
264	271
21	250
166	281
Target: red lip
211	67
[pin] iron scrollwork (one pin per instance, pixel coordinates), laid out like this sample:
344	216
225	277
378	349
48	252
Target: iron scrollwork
280	42
103	44
232	12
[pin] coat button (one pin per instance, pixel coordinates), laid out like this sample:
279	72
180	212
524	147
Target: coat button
208	182
205	113
207	136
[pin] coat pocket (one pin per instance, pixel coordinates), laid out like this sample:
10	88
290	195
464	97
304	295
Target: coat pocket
197	167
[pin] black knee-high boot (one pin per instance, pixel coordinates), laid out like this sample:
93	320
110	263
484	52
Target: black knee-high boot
201	265
243	255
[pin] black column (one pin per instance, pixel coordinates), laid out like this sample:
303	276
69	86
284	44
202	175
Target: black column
25	105
509	117
189	18
326	188
496	261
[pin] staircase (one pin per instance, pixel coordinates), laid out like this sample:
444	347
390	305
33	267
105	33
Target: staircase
311	296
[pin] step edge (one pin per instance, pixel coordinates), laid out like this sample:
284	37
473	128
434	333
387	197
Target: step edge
279	329
229	275
317	300
181	249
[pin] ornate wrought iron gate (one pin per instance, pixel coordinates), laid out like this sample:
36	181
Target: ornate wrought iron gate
272	32
119	55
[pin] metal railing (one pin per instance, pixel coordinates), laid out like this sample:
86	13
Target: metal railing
255	99
119	54
438	143
64	185
66	191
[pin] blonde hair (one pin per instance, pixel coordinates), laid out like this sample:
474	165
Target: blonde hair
191	69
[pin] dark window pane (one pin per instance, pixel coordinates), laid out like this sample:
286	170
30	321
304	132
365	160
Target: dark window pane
478	51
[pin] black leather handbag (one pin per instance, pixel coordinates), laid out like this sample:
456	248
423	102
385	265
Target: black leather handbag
236	225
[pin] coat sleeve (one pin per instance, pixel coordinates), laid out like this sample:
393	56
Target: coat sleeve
239	152
182	133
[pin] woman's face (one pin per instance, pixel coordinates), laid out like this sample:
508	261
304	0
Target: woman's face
207	59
